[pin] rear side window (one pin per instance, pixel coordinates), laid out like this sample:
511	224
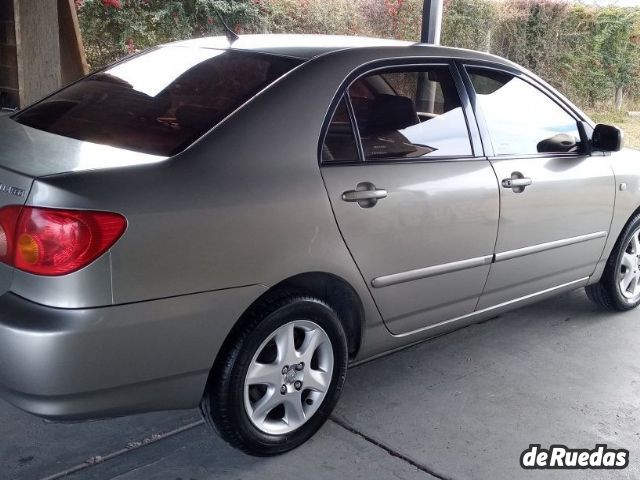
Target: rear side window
406	114
159	102
522	119
340	142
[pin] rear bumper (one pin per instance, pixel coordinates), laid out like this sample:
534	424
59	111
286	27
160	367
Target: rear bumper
71	364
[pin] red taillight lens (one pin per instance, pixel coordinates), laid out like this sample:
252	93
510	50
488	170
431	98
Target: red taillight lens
46	241
8	219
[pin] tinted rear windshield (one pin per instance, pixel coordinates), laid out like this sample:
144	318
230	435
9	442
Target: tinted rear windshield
158	102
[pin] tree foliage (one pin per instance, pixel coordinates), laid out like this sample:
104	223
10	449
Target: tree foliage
617	50
590	53
113	28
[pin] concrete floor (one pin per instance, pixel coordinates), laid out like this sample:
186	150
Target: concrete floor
462	406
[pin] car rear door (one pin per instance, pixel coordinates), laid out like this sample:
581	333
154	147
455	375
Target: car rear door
415	201
556	202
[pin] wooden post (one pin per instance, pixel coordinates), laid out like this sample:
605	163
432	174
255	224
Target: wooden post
40	49
74	62
9	92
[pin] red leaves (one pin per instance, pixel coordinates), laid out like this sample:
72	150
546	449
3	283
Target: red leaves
131	46
112	4
394	7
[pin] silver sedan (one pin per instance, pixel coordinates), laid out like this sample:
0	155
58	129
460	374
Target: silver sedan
231	224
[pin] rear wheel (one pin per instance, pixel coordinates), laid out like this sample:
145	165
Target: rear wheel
619	287
280	377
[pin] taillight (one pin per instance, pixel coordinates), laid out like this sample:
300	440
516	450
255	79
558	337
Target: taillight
8	219
47	241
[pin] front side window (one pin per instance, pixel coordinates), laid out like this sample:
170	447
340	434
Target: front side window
522	119
408	114
158	102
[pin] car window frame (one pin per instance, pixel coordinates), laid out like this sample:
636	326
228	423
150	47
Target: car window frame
483	126
403	63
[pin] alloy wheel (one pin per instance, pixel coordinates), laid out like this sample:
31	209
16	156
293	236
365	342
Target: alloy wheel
288	377
629	268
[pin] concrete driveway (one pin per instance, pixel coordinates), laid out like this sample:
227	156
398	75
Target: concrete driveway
462	406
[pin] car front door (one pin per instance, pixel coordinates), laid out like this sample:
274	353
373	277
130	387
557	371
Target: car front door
556	202
418	211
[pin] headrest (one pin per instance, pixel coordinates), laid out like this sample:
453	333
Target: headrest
391	112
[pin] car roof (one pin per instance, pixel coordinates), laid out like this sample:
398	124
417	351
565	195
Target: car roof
307	47
304	46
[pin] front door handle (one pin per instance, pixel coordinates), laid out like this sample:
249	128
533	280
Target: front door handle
517	182
366	195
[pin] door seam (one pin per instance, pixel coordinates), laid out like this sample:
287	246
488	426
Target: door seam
495	243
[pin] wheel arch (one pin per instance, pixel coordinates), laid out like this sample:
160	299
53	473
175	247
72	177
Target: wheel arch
619	233
616	230
339	295
604	290
330	288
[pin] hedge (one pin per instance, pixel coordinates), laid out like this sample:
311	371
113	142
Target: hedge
592	54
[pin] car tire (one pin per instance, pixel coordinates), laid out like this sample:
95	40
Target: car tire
619	286
265	395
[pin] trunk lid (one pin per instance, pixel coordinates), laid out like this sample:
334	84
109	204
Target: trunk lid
27	153
35	153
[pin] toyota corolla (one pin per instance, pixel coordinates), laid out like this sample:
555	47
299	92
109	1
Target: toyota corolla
230	224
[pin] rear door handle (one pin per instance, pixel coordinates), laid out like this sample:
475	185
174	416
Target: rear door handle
359	195
517	182
366	195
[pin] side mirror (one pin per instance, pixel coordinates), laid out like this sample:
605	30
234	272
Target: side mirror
606	138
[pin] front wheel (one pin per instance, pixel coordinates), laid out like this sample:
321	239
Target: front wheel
619	287
279	378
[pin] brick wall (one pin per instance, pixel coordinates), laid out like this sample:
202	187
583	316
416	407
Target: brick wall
9	96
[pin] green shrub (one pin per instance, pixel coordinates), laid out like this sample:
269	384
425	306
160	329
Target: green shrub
592	54
113	28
